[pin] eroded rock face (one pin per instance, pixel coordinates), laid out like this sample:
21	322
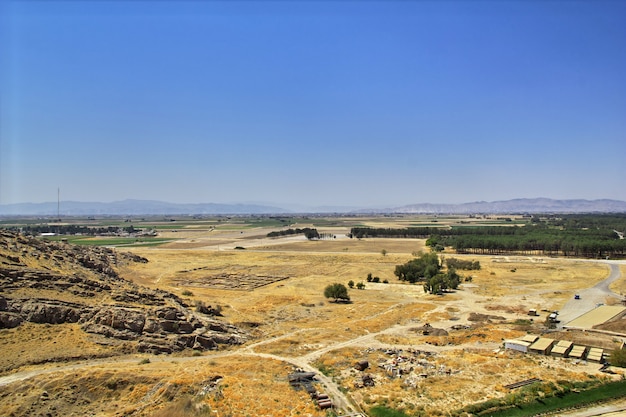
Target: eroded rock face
157	320
9	320
49	311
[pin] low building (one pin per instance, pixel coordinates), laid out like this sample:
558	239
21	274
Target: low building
542	346
521	344
562	349
595	355
517	344
577	352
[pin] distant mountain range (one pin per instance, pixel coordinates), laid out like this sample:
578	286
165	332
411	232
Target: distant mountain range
150	207
520	205
132	207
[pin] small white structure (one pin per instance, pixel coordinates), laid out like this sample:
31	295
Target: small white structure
521	344
517	344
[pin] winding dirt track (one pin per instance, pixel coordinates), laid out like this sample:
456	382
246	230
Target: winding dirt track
591	297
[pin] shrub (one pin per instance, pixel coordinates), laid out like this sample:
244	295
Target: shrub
337	291
618	358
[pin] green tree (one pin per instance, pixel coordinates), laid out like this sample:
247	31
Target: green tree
351	284
360	286
337	291
420	269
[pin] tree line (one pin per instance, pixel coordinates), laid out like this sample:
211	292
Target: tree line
71	229
583	236
307	231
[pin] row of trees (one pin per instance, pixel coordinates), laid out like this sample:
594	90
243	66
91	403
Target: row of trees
462	264
72	229
307	231
537	239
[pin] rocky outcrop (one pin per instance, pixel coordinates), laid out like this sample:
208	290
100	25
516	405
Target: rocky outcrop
157	321
157	330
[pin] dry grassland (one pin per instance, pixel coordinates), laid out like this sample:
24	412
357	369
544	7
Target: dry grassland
291	319
619	287
274	289
541	283
231	385
53	343
372	246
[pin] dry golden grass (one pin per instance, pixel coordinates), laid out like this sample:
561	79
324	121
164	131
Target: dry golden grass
294	319
619	286
291	319
248	386
371	246
531	282
41	343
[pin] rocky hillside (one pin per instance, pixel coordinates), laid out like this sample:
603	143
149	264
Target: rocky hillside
57	283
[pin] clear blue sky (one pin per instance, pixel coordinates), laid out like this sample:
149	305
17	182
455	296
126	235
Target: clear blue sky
315	103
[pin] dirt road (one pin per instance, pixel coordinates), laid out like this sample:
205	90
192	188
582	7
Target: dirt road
591	297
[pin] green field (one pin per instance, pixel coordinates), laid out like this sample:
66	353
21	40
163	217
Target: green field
109	241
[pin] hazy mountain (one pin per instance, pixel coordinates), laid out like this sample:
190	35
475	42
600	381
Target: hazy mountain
133	207
149	207
519	205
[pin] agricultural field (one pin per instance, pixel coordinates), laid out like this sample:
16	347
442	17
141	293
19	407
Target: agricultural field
427	354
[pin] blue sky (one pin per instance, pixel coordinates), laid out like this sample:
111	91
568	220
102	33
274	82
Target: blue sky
341	103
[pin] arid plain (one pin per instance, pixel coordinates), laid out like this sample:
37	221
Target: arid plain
273	288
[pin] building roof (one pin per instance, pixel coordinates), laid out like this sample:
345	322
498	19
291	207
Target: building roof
577	351
518	342
596	316
542	344
531	338
562	347
595	354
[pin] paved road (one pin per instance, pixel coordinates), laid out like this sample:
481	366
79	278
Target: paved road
591	297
